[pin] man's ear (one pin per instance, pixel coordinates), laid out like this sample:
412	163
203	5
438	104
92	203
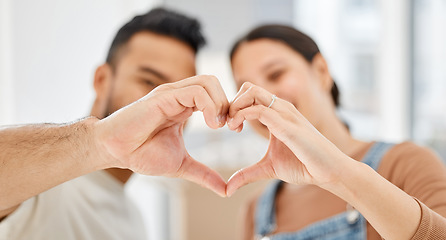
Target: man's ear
322	72
102	86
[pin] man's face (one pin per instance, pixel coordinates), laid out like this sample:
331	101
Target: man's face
146	61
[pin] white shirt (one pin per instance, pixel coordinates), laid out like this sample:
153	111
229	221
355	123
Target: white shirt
93	206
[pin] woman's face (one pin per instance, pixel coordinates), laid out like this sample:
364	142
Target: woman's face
284	72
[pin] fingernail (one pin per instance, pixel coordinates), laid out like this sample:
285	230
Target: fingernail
227	195
221	120
230	121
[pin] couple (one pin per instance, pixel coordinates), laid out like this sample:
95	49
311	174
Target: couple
66	181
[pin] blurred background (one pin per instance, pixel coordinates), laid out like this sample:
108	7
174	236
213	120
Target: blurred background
387	57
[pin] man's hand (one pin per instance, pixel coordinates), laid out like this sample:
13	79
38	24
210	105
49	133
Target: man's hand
147	136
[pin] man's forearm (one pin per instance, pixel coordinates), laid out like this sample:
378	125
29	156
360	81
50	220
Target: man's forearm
145	137
34	158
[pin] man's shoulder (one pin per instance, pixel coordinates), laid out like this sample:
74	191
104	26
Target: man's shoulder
85	205
60	196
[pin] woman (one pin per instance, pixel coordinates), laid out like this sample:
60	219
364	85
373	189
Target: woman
337	187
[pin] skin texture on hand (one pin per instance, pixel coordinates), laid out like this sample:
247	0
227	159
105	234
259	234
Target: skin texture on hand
299	154
147	136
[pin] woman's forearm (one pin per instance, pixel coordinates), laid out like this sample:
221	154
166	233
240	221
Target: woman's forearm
392	212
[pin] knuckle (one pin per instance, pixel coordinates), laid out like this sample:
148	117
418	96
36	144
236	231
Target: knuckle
220	105
255	90
205	177
197	90
213	78
208	78
241	175
208	81
261	111
164	87
267	169
288	104
199	79
246	85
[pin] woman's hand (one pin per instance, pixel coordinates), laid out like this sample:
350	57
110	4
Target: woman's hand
297	152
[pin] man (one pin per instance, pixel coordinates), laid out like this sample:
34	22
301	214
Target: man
42	195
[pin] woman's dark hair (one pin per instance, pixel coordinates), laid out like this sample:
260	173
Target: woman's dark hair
295	39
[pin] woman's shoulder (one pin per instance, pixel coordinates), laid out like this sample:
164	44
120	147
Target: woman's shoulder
410	153
407	161
409	145
418	171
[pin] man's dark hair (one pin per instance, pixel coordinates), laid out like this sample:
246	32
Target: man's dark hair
160	21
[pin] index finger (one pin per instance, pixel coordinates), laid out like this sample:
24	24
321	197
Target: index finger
249	95
213	87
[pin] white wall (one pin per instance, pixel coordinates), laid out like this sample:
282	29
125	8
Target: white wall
375	103
6	77
56	46
393	70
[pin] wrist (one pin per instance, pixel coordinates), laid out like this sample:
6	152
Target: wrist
99	155
350	174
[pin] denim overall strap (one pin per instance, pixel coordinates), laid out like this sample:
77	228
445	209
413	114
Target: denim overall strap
265	217
376	153
336	227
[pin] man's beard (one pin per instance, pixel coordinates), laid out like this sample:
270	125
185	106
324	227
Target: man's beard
109	110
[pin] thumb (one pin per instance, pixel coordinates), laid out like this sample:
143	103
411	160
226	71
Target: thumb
259	171
201	174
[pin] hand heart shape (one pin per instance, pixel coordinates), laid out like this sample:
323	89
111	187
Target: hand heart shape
297	152
147	136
